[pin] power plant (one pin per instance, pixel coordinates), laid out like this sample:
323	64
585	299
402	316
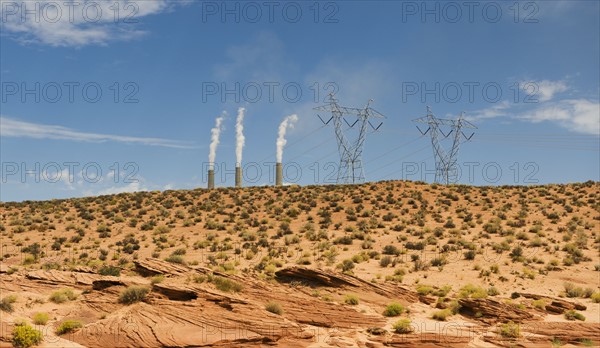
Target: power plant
350	169
238	176
278	174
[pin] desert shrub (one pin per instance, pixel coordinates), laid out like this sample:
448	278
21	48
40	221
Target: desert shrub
493	291
393	310
470	255
472	291
6	304
157	279
438	261
226	285
539	304
390	250
62	296
347	265
110	271
424	289
25	336
133	294
572	315
274	308
351	300
441	315
573	291
510	330
595	297
385	261
402	326
40	318
68	326
176	259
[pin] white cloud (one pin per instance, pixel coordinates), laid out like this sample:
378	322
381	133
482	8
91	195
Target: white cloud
547	89
76	23
13	128
578	115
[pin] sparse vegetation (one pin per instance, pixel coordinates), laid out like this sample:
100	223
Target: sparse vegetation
393	310
40	318
133	294
62	296
68	326
403	326
274	308
24	336
6	304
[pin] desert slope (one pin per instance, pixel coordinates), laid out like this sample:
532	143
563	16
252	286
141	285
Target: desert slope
380	264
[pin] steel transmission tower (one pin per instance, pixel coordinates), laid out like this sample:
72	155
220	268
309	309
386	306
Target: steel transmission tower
351	169
445	162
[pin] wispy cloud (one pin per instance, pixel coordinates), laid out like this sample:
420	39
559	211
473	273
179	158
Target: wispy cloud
14	128
546	90
76	23
577	115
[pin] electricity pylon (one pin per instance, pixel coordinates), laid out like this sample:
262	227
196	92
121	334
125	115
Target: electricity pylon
351	169
445	162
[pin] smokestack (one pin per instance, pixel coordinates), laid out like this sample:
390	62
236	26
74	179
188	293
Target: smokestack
211	179
238	176
278	174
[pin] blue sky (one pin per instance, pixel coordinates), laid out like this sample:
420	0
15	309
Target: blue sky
527	75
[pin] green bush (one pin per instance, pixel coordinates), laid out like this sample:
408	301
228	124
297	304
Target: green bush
62	296
6	304
157	279
510	330
108	270
472	291
402	326
40	318
25	336
539	304
176	259
351	300
441	315
573	291
572	315
133	294
274	308
393	310
225	284
68	326
595	297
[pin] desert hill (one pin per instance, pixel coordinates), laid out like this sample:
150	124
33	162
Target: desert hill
391	263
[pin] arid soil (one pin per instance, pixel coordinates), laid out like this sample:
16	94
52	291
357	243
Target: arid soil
395	263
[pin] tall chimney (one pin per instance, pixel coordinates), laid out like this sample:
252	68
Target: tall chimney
211	179
238	176
278	174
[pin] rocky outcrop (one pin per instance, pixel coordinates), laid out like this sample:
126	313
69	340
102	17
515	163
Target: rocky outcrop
491	311
555	305
320	277
151	267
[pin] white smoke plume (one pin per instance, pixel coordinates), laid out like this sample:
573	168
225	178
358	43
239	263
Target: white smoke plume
214	142
288	122
239	136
